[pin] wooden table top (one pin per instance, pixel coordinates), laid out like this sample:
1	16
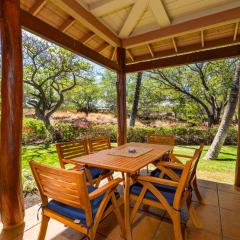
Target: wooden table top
130	165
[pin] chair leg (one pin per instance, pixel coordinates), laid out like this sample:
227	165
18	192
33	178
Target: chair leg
196	190
43	228
177	226
193	215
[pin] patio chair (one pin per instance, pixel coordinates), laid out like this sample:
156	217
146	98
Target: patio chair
100	143
69	150
67	198
173	170
162	140
165	194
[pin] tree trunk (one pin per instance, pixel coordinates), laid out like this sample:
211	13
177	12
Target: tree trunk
56	135
226	119
136	100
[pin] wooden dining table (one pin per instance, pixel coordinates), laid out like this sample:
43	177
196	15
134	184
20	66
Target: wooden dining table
117	159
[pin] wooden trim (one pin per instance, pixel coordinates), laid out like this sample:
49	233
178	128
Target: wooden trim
37	6
129	53
101	8
230	51
89	36
77	11
50	33
102	47
113	53
237	170
174	44
190	48
202	39
150	50
236	32
121	98
133	17
11	196
67	24
192	25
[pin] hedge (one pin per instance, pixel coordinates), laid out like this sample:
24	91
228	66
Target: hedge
34	132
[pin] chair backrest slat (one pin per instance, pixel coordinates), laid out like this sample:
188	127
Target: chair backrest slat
97	144
160	139
68	187
69	150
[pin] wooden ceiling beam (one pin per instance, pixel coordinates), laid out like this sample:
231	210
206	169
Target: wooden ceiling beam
37	6
52	34
102	47
229	51
104	7
133	17
113	53
202	39
129	53
174	44
159	12
67	24
78	12
150	50
190	48
86	38
236	32
201	23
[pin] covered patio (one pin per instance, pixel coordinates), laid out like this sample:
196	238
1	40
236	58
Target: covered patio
125	36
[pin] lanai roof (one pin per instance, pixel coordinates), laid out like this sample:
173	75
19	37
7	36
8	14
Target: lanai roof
148	29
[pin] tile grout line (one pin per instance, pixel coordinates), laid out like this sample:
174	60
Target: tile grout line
220	215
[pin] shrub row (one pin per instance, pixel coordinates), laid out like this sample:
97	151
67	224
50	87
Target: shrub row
34	131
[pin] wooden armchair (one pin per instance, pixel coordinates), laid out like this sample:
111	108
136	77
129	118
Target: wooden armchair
173	170
69	150
100	143
162	140
67	198
167	195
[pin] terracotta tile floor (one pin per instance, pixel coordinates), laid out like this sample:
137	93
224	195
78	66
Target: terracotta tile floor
219	215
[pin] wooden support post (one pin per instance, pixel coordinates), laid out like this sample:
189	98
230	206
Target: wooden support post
121	97
11	198
237	172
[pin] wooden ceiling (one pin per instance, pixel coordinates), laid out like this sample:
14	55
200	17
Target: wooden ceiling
148	29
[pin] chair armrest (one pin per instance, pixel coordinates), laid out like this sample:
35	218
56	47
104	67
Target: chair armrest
171	164
101	190
182	155
158	180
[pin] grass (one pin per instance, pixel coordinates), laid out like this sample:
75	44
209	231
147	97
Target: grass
220	170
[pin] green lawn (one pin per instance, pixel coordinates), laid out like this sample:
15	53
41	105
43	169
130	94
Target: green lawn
221	170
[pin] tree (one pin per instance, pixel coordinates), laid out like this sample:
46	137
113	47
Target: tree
136	99
49	72
226	119
201	83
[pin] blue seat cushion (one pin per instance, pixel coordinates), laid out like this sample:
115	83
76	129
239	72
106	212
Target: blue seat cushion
78	213
167	192
96	172
157	172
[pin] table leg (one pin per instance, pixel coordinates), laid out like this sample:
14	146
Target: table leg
127	207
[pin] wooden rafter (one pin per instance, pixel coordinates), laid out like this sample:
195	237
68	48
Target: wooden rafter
86	38
129	53
67	24
113	53
102	47
133	17
184	27
50	33
236	32
102	8
174	44
202	39
190	48
150	50
160	13
78	12
37	6
229	51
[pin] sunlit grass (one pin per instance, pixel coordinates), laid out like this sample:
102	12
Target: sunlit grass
220	170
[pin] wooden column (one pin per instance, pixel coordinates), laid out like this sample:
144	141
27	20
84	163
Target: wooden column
121	97
11	199
237	172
